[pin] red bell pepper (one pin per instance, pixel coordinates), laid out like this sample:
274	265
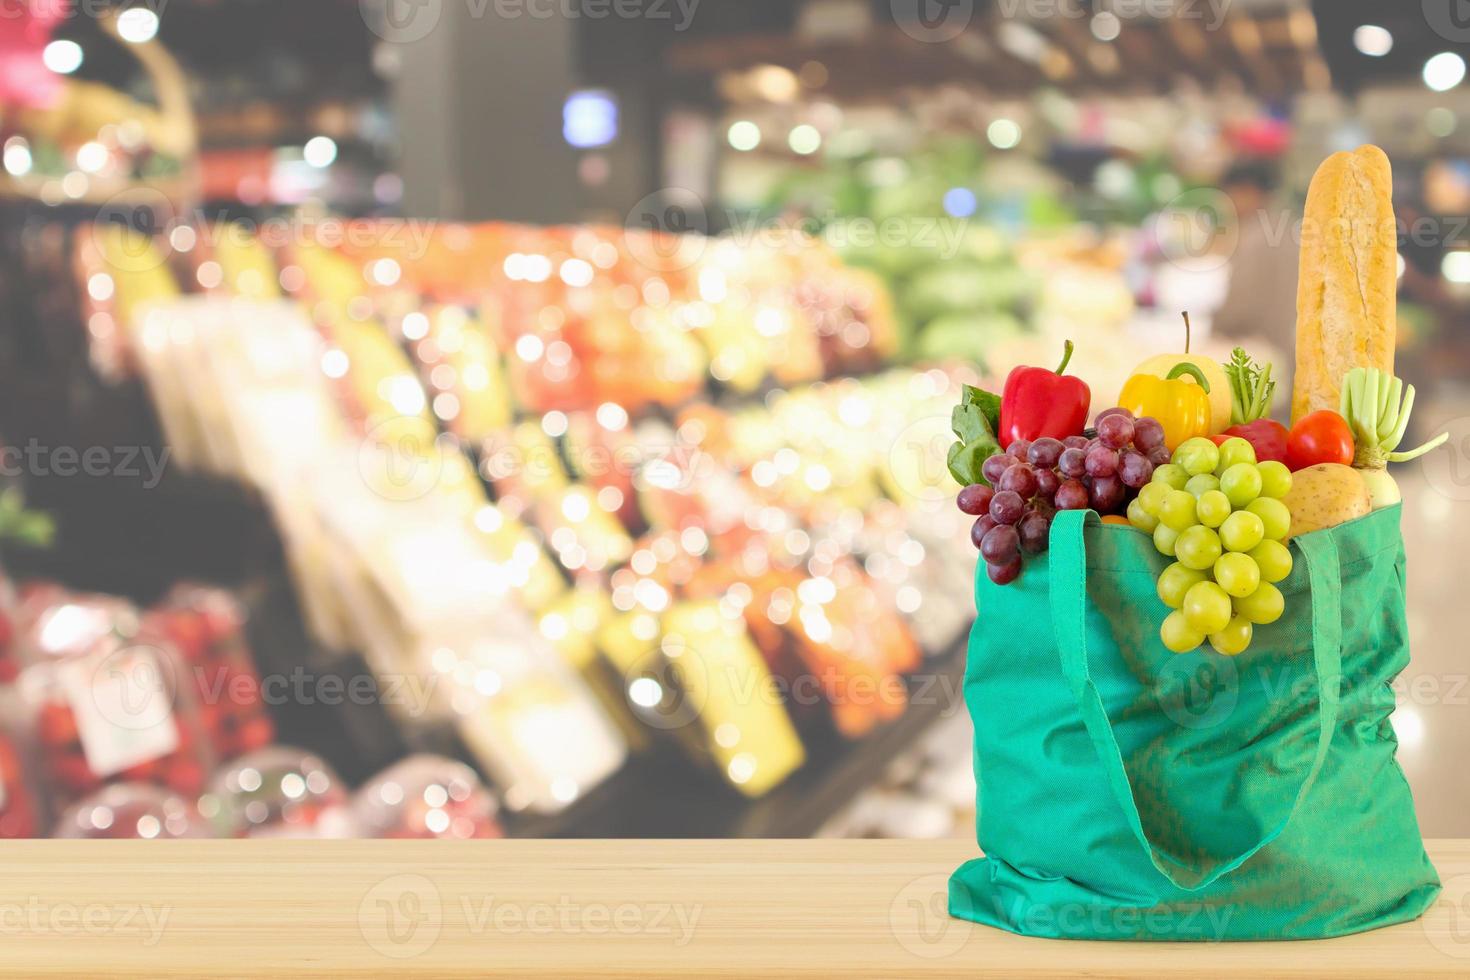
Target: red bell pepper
1036	402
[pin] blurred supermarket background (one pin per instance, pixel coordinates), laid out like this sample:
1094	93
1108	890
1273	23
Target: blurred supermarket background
527	417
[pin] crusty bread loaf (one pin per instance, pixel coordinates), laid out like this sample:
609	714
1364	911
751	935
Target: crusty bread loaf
1346	294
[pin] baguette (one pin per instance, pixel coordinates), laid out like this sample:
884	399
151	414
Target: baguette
1346	308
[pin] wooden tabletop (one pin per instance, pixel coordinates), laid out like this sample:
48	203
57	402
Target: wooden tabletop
606	908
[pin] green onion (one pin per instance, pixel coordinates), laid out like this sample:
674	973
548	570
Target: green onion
1377	406
1251	388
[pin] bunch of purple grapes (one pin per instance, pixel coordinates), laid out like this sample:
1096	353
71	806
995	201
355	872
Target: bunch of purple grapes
1031	481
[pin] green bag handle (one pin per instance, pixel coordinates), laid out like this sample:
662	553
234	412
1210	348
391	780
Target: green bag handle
1068	567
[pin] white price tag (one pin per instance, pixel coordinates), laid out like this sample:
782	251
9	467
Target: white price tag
123	708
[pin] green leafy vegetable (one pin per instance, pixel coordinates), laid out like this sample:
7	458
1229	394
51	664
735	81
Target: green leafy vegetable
26	527
975	421
1251	388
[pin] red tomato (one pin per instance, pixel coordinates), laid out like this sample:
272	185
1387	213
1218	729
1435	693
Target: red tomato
1322	437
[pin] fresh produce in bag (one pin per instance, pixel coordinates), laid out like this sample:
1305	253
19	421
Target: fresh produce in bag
105	704
1038	403
1376	407
1318	438
1347	291
1206	372
1015	494
1224	789
1221	516
132	811
1251	394
278	792
1324	496
207	627
426	796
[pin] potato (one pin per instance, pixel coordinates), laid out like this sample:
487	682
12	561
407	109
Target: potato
1324	496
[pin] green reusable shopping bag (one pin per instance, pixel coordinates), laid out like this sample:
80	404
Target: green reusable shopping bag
1126	792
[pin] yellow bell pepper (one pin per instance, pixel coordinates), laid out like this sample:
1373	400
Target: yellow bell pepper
1180	404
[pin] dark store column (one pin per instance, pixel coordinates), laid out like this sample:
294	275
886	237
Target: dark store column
479	108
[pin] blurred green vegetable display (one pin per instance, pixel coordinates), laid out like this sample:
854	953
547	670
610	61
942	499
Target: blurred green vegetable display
928	226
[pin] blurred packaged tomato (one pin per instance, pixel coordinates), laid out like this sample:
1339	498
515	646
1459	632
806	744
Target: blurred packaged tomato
426	796
102	704
9	608
132	811
278	792
207	627
19	807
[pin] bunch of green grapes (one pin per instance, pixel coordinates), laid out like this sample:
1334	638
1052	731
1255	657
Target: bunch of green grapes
1219	514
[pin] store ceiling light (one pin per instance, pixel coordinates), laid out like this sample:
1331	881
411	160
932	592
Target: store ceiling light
1003	134
1023	41
17	157
959	202
1441	122
775	83
744	135
1372	40
1456	267
62	57
1444	71
589	119
137	25
804	139
92	157
1106	26
320	151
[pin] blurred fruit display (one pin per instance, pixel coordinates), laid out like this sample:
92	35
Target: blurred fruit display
426	796
580	490
132	811
206	625
104	702
278	792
